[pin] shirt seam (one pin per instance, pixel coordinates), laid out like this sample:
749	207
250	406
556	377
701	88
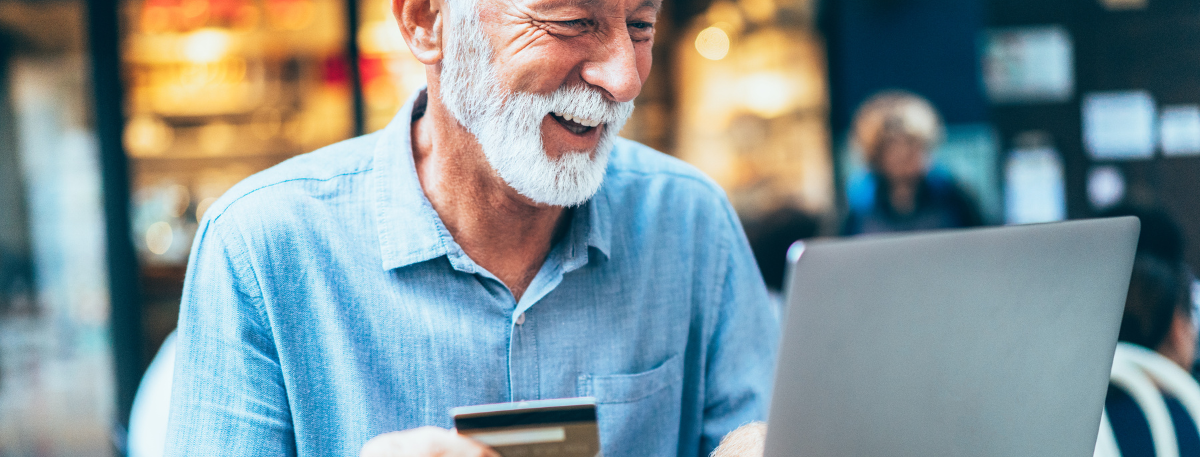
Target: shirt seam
246	267
722	281
285	181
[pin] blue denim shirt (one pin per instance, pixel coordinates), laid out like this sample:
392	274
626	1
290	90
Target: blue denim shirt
326	303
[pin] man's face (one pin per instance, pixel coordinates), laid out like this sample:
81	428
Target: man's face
545	85
542	45
1187	350
903	158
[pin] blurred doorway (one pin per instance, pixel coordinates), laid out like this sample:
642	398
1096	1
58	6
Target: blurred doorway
56	376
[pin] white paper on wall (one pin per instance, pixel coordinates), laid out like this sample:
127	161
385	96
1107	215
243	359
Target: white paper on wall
1179	130
1105	186
1119	125
1029	64
1034	187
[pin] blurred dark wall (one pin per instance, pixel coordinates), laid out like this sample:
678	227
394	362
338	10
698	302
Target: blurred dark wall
1152	49
772	234
925	46
16	267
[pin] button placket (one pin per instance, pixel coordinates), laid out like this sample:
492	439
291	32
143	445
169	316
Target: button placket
523	361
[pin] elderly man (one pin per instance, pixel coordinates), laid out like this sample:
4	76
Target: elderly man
497	242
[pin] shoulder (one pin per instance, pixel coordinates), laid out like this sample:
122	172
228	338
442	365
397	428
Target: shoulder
958	198
667	199
637	167
946	187
295	179
860	195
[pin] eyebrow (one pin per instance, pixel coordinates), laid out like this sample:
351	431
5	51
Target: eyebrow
656	4
579	2
644	4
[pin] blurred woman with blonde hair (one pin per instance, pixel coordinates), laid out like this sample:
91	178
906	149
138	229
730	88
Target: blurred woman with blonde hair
895	132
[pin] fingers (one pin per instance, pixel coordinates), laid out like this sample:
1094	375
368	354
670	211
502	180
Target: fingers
425	442
746	441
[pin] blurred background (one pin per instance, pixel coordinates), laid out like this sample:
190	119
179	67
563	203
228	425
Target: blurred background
121	121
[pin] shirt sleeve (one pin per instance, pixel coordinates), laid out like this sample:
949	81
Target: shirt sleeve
741	353
228	395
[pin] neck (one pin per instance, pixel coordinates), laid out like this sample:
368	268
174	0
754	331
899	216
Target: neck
501	230
903	197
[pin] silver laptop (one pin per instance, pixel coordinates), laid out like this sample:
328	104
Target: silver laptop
986	342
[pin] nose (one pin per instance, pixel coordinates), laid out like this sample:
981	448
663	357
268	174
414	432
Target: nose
613	67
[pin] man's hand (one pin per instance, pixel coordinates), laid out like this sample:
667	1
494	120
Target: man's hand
425	442
746	441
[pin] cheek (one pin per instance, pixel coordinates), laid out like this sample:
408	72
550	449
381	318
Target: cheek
892	160
916	159
536	72
644	60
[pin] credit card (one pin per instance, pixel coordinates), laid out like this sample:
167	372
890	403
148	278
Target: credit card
563	427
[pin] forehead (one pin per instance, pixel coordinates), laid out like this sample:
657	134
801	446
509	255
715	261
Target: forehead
628	6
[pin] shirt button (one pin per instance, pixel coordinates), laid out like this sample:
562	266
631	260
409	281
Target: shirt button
521	319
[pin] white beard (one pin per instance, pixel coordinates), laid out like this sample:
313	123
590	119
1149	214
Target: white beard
508	124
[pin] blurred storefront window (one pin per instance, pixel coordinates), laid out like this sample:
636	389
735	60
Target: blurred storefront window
389	72
217	90
56	382
753	105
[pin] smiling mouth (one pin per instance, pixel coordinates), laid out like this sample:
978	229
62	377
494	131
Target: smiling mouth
578	126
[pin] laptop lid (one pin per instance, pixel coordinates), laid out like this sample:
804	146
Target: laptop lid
983	342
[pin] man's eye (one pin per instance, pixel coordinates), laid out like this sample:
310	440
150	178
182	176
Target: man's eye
571	28
641	31
578	24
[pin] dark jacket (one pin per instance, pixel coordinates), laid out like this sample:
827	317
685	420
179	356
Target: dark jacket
941	203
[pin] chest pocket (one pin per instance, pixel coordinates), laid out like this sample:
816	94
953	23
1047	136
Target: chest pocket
638	413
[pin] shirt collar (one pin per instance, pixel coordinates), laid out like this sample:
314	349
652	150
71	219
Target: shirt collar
410	230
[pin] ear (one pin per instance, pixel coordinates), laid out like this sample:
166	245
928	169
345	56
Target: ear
1180	341
1180	334
421	24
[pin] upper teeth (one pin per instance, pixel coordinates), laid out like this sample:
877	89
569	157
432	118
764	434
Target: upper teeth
578	120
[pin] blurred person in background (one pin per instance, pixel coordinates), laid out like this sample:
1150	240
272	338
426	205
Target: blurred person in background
1162	238
1158	340
1158	311
896	131
1157	327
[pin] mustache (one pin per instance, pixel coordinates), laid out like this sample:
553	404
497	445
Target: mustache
582	102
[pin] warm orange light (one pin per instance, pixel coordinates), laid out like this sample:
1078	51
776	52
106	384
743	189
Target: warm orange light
147	135
291	15
713	43
203	206
381	37
156	19
206	45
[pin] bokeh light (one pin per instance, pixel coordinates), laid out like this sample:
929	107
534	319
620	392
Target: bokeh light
159	238
768	94
713	43
206	45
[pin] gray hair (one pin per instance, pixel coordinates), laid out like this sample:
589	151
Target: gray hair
466	51
892	113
